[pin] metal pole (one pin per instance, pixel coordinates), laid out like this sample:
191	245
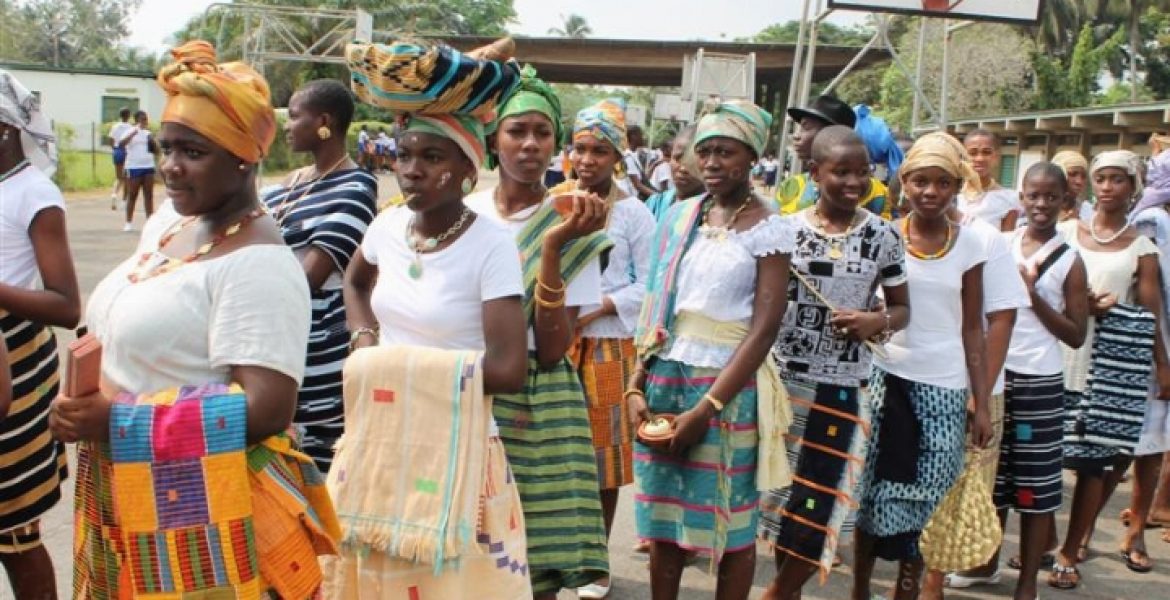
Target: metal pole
794	82
946	71
918	75
853	62
810	60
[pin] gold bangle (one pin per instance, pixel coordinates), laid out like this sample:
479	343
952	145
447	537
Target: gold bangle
541	302
715	402
633	392
542	285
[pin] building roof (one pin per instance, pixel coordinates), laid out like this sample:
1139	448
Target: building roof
1120	118
77	70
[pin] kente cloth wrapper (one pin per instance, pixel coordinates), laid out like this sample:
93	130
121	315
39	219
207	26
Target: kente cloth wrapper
532	94
21	108
409	468
739	120
575	255
176	506
606	121
605	366
464	130
1157	188
675	232
773	410
1070	159
431	79
941	150
229	103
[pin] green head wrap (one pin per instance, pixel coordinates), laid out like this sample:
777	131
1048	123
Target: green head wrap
531	95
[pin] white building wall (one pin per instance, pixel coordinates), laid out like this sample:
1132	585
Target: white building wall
75	99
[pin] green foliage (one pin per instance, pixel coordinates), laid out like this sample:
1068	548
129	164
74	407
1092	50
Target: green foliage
1121	93
1072	82
573	26
62	33
78	170
829	34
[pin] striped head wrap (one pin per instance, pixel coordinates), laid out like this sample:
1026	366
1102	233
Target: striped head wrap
436	89
1121	159
229	104
605	120
941	150
739	120
533	95
1069	159
21	108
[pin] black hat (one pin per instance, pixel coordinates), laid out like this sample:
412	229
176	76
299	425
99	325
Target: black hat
829	109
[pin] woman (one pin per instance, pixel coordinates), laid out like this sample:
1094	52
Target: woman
604	352
545	428
118	131
1076	172
141	151
35	248
843	255
323	212
714	301
203	331
685	183
989	201
919	407
1100	450
1029	480
467	296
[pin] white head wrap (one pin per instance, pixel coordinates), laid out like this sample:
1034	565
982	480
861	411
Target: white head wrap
21	108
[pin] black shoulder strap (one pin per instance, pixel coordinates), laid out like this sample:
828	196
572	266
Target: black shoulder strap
1051	260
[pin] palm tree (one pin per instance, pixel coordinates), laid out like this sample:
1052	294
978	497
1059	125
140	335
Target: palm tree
1060	24
573	26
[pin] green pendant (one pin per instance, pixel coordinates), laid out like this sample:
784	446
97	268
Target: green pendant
415	269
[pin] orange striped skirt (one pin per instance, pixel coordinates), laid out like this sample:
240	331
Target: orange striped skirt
605	366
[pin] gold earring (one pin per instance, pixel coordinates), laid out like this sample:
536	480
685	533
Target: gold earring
242	166
324	133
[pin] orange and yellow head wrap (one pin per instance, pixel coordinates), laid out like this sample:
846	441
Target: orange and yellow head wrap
229	104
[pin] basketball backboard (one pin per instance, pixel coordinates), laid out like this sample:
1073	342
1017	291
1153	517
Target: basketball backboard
1024	12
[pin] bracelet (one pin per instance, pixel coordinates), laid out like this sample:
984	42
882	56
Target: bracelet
548	303
884	335
715	402
632	392
544	286
359	332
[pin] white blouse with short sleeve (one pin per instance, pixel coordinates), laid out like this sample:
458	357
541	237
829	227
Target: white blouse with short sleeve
631	229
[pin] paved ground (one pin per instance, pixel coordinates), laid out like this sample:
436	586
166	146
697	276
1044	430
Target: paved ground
98	245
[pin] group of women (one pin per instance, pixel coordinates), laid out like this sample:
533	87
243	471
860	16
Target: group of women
470	368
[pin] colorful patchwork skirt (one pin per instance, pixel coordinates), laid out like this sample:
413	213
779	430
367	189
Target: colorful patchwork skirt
32	463
501	566
826	447
681	499
896	511
605	366
546	433
1028	479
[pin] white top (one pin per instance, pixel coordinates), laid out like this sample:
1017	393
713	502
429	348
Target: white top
717	279
1034	350
1003	287
22	197
190	326
1108	273
936	318
660	178
990	207
120	130
631	229
584	290
444	307
138	154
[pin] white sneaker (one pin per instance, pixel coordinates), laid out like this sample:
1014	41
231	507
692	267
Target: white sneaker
593	591
129	227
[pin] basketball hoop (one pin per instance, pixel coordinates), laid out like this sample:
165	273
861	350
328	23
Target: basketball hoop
940	5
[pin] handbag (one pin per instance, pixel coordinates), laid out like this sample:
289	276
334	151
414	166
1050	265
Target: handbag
964	531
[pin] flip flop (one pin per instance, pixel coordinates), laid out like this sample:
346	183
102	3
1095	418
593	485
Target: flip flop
1136	565
1046	561
1064	578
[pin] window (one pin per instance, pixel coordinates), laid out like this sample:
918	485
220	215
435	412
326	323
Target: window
1007	170
112	104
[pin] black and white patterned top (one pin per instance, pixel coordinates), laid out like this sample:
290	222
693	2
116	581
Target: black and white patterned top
871	256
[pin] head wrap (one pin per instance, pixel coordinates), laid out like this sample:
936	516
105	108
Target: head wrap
436	89
605	120
533	95
739	120
1157	189
1159	143
21	108
1070	159
229	104
1121	159
941	150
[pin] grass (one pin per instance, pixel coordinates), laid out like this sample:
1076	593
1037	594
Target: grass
80	170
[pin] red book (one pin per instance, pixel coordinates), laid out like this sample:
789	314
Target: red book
83	366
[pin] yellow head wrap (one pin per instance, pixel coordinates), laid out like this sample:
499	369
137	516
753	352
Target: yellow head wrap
1069	159
229	104
945	152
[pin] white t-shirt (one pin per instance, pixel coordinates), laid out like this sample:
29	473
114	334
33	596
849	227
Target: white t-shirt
22	197
120	130
936	319
138	154
1034	350
444	307
992	207
660	178
1003	288
584	290
190	326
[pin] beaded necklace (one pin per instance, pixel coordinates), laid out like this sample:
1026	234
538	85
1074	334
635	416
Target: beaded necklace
161	263
719	232
420	245
947	245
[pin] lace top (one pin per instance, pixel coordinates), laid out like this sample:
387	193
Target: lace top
717	278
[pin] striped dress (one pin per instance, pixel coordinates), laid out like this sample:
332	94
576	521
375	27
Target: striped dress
332	215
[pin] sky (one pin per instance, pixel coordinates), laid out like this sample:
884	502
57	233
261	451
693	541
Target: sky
156	20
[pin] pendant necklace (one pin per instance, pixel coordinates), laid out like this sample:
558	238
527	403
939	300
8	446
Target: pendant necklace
719	232
421	245
837	240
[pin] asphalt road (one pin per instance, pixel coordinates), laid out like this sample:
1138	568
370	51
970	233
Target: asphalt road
98	244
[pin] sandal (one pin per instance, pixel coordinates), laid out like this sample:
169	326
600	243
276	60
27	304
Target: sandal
1064	578
1046	561
1126	515
1141	565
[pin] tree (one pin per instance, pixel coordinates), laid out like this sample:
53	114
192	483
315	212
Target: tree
829	34
1071	82
573	26
61	33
